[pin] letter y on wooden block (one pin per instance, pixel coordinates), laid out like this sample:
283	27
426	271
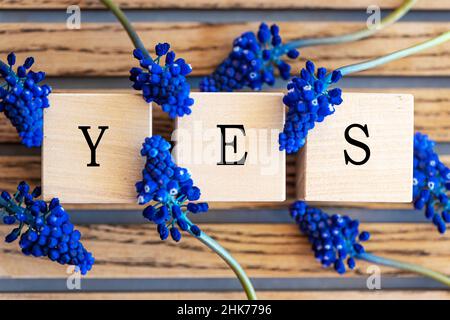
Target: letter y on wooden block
91	149
363	152
230	146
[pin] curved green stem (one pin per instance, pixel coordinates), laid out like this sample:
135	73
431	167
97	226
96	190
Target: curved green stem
363	33
406	266
120	15
353	68
231	262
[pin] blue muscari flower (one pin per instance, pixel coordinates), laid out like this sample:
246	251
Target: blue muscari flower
309	101
431	182
171	187
252	62
335	239
49	232
22	99
165	84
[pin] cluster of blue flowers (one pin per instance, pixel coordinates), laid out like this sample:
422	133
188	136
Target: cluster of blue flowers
309	101
252	62
165	85
335	239
22	99
431	182
49	230
171	187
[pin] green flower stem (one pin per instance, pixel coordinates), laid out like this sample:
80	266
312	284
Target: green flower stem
120	15
230	261
406	266
395	55
361	34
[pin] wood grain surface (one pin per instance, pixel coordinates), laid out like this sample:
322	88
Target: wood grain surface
263	250
88	54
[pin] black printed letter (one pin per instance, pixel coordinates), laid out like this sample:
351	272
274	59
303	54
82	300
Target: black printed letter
93	147
357	143
223	162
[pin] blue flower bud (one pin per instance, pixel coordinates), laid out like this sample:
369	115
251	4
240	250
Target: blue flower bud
149	213
9	220
11	59
196	230
163	231
11	237
175	234
5	196
161	49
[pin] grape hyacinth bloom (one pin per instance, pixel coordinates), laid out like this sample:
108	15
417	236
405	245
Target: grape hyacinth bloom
49	232
254	57
173	190
252	62
309	100
23	100
431	183
165	84
171	187
336	241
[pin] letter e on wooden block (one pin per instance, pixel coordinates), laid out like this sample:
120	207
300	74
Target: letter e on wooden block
230	146
363	152
91	149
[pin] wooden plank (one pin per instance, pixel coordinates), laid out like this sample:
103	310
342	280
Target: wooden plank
264	250
431	108
205	45
221	4
264	295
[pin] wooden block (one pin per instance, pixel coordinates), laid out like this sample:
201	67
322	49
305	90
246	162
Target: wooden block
333	167
230	145
75	174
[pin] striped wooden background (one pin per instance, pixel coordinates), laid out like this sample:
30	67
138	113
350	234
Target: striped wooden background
131	261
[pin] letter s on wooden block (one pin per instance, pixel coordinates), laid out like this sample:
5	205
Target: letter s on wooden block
91	149
363	152
230	146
